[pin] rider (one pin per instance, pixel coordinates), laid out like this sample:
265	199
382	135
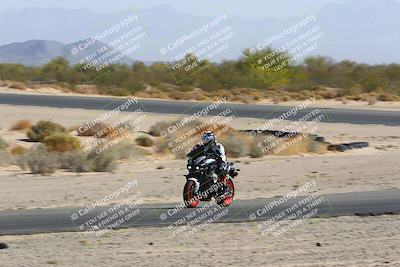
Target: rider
212	150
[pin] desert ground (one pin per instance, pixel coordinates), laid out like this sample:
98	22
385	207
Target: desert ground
160	179
342	241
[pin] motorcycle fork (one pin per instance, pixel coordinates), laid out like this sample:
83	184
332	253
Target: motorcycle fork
222	180
197	186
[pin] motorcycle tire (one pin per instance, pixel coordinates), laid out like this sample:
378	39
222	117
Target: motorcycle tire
227	201
189	198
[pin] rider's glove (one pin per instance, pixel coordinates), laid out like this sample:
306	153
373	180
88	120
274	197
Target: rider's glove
233	172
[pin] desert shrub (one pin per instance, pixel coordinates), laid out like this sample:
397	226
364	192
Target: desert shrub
387	97
21	125
22	161
3	144
103	162
5	158
285	98
17	85
158	128
144	141
39	160
246	99
44	129
235	145
76	161
125	150
4	83
358	97
180	141
316	147
162	146
354	90
255	150
61	142
371	100
98	130
18	150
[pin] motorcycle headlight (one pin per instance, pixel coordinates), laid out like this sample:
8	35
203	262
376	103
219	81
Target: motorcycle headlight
189	167
197	167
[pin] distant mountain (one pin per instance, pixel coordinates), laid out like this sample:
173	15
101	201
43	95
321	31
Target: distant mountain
359	30
34	52
39	52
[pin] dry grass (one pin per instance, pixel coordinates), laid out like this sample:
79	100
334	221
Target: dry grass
18	150
98	130
61	142
17	85
388	97
21	125
4	83
160	127
43	129
86	89
144	141
237	144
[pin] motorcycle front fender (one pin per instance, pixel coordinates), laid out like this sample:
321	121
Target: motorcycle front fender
196	181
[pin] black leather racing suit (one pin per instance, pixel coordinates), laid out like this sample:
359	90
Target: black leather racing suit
213	150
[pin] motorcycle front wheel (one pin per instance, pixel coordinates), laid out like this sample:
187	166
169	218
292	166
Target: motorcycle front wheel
225	202
189	197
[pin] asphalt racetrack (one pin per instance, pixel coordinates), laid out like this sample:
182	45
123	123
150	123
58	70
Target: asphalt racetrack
391	118
371	203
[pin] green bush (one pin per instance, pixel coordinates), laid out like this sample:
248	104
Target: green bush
44	129
144	141
314	73
61	142
3	144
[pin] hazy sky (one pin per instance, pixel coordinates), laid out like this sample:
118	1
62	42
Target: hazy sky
239	8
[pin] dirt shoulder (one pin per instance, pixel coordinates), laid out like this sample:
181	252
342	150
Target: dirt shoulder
162	181
343	241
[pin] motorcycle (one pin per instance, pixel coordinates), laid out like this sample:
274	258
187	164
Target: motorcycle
203	184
